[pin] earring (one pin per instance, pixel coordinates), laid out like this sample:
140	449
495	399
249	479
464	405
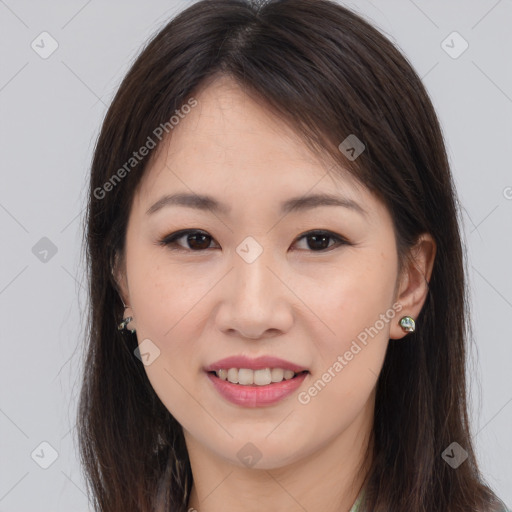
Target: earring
407	324
126	321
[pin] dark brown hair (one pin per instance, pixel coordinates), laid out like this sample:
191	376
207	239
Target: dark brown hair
328	73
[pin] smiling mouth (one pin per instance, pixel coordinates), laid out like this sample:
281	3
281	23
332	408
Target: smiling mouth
263	377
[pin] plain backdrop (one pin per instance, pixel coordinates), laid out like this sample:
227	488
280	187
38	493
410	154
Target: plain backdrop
51	112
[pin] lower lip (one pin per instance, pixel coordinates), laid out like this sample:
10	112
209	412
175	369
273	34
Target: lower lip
256	396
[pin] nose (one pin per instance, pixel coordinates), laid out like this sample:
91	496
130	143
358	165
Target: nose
255	301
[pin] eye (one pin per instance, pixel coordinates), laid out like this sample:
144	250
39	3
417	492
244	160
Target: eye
200	240
319	240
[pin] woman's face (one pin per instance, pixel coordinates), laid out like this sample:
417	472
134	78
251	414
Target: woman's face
256	286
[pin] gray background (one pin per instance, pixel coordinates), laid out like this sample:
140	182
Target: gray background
51	111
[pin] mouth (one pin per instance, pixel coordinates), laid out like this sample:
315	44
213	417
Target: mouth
256	378
261	392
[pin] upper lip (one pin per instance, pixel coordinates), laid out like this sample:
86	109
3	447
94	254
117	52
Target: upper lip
258	363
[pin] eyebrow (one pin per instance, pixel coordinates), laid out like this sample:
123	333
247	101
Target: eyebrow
295	204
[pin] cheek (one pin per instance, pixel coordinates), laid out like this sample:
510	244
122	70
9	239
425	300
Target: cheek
355	308
163	302
355	296
164	295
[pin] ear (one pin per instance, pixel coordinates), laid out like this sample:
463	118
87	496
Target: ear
119	275
413	281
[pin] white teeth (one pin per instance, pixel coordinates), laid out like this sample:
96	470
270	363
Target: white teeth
262	377
277	374
248	377
233	375
245	377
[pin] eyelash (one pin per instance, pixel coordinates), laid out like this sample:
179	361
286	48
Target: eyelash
170	241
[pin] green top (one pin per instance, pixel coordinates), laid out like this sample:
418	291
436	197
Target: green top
355	506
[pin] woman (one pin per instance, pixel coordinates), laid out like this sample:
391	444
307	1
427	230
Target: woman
273	224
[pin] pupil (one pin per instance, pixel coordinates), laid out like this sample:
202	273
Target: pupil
322	239
194	237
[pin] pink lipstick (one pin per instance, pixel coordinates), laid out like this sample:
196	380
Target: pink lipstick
266	380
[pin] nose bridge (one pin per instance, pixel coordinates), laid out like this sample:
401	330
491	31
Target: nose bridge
252	277
253	301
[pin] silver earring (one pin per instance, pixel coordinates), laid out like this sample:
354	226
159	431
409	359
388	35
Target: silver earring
407	324
126	321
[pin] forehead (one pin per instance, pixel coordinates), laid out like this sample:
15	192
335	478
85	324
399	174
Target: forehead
231	141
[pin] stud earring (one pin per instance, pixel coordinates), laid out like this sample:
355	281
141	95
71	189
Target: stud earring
407	324
126	320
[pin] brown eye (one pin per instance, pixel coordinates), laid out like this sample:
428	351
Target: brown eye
195	240
318	241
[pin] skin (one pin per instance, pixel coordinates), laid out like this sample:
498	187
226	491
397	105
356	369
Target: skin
294	301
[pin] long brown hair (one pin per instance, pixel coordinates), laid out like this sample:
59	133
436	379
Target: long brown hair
330	74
